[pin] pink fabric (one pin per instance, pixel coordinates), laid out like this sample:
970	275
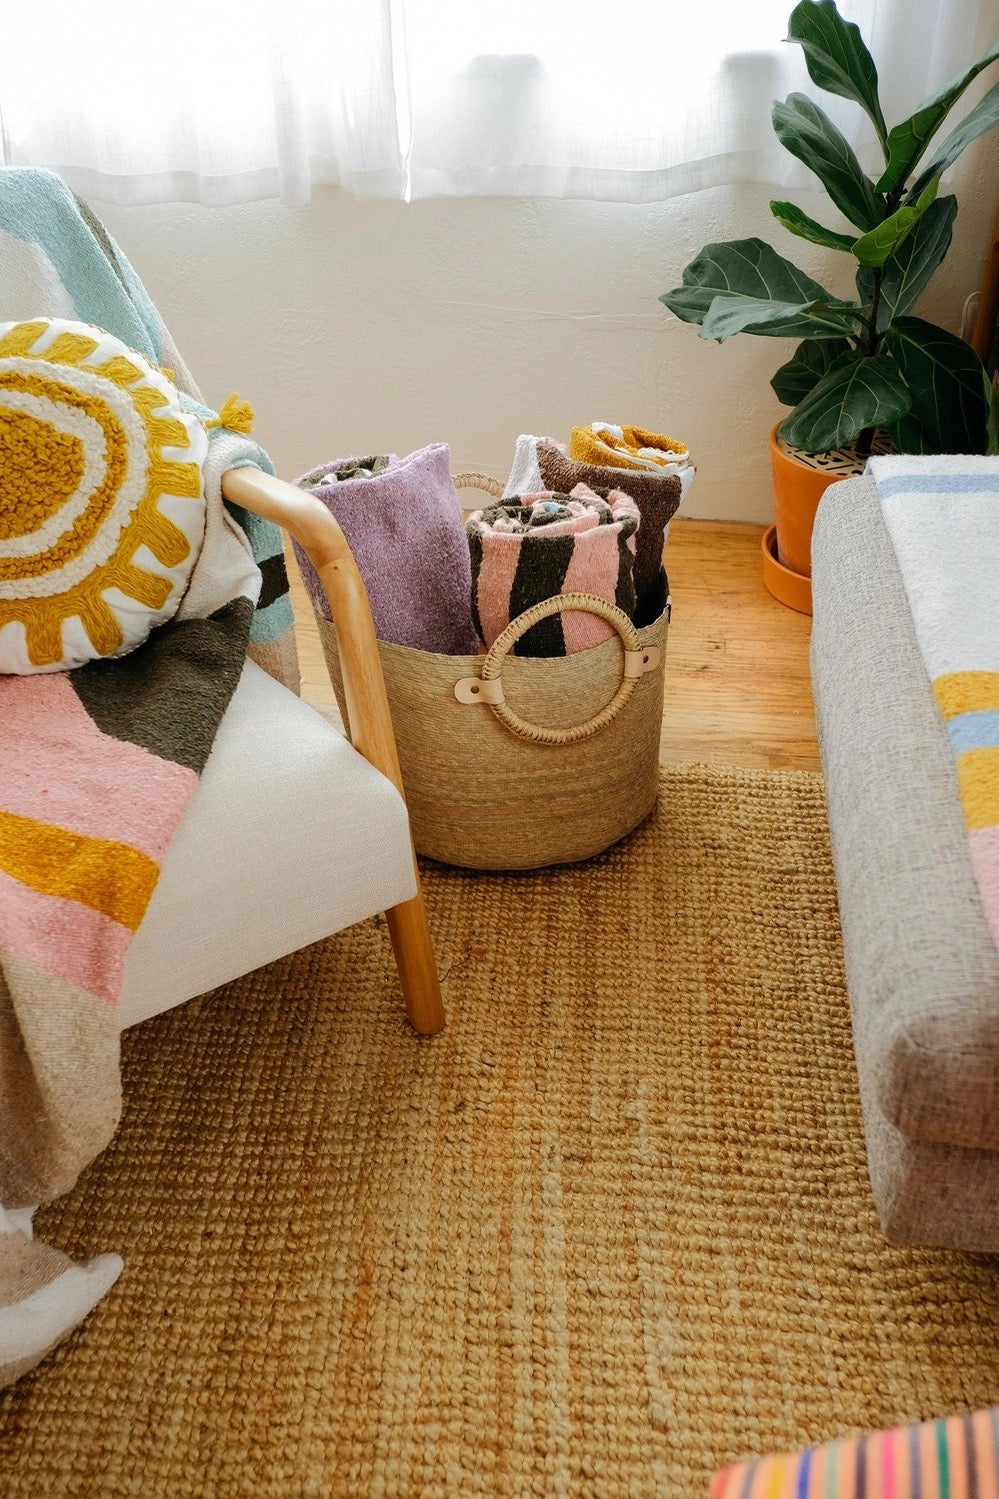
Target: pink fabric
520	557
499	566
985	862
46	713
63	938
588	572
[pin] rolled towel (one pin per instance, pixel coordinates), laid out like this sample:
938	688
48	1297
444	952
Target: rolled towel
525	476
532	547
627	447
656	496
403	525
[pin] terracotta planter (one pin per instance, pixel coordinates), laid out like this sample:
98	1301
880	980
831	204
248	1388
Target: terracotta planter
787	587
800	481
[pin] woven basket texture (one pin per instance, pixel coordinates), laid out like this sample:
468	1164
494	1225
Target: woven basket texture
479	796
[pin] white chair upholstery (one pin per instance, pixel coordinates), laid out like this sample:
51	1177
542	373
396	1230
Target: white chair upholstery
290	836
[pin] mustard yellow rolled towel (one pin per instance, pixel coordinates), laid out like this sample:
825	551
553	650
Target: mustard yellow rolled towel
610	446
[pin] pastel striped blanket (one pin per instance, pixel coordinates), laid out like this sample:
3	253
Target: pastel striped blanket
97	764
956	1458
532	547
942	515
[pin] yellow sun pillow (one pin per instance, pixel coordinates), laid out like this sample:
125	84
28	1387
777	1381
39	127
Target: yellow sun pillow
102	502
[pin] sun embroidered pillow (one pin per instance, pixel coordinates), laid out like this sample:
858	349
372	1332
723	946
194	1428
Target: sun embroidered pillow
102	502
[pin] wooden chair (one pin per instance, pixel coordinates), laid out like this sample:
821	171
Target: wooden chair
310	829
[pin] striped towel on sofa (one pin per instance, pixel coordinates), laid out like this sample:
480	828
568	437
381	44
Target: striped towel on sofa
942	515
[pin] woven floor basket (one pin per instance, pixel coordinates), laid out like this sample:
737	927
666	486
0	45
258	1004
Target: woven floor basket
517	762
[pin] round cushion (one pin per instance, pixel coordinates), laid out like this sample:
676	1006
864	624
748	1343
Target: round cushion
102	501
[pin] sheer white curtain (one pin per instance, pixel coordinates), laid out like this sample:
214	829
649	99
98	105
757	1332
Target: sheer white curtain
205	100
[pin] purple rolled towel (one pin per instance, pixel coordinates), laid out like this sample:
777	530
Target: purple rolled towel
404	527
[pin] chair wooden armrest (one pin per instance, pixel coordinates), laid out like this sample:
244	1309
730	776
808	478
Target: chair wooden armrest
369	720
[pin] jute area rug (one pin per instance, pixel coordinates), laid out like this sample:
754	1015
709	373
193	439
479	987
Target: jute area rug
610	1230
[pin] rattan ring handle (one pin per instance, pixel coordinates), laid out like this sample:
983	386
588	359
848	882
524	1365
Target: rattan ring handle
489	687
479	481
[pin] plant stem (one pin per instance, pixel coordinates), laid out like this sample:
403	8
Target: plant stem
866	439
872	329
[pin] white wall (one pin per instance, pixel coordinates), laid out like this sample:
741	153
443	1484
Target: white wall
354	327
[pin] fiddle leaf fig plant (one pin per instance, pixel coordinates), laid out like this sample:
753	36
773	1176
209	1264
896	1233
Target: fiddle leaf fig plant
868	362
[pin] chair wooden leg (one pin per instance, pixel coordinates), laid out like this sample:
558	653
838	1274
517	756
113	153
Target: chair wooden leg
414	957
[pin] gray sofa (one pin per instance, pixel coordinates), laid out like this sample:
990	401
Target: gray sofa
922	969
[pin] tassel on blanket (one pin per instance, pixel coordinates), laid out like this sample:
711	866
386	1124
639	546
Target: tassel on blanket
236	416
532	547
48	1296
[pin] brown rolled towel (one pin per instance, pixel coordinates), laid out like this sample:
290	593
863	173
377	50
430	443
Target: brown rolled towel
657	497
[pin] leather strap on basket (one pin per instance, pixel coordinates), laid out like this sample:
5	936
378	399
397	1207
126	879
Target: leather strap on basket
489	687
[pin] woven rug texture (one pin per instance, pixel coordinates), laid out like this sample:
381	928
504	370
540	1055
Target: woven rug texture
609	1231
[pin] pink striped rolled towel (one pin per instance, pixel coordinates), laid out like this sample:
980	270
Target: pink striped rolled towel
531	547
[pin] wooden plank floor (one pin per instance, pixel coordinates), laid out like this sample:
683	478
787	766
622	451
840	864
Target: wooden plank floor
738	690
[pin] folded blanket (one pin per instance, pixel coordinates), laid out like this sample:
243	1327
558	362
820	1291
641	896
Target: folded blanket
942	515
533	547
403	525
96	768
957	1458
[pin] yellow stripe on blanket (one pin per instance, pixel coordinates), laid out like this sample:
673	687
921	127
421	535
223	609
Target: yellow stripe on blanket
978	778
101	873
966	692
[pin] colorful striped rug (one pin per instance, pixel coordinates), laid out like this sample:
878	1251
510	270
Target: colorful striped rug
952	1458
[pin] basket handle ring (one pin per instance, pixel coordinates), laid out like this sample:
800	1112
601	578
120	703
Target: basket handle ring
488	688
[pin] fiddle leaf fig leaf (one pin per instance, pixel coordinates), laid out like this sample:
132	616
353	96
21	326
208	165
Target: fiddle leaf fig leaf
743	268
908	141
992	426
906	274
799	223
837	57
875	248
983	117
809	134
857	392
950	408
819	320
811	360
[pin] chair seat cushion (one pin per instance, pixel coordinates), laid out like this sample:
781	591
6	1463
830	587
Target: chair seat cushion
290	836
